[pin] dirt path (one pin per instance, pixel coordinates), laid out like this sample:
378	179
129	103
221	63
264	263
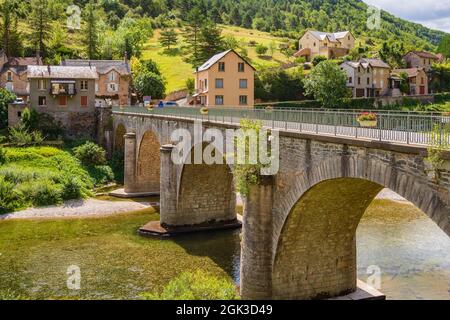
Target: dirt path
79	208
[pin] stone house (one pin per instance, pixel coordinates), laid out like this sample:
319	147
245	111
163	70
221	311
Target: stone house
66	93
329	45
13	74
226	79
418	80
359	78
380	76
420	59
114	80
367	77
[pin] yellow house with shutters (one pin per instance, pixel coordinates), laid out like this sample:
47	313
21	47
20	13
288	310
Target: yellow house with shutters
226	79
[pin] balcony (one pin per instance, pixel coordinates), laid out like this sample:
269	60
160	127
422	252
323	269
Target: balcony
63	88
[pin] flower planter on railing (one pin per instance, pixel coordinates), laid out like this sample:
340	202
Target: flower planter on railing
204	111
367	120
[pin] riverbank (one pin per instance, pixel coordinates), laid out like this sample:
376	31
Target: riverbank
80	209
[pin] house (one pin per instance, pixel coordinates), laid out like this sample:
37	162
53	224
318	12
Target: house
420	59
330	45
380	76
13	74
226	79
114	80
418	80
367	77
359	78
66	93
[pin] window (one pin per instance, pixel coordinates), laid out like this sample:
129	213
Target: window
424	61
243	83
206	84
219	100
350	80
96	86
63	88
219	83
112	87
62	101
112	76
84	85
84	101
242	100
422	80
241	67
42	101
314	44
9	76
348	38
42	84
359	69
368	81
9	86
359	80
221	66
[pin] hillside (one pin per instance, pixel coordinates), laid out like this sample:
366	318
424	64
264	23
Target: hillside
289	17
176	77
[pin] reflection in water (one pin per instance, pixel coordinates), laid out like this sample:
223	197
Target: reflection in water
412	252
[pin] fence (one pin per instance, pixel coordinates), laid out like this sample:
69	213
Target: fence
399	127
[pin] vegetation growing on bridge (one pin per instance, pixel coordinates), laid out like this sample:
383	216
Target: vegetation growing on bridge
439	145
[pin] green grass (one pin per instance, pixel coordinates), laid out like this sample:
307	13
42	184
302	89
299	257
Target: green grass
115	262
39	176
176	71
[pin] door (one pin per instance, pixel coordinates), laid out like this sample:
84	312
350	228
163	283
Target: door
360	93
422	89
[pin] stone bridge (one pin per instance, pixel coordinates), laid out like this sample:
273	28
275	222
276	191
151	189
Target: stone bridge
298	233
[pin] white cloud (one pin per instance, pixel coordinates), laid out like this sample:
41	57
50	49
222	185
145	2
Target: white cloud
434	14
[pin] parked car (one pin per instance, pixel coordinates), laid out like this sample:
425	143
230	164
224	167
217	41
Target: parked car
170	104
19	101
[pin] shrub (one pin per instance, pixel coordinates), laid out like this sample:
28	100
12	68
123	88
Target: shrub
73	188
45	192
261	49
20	136
90	154
10	197
117	165
196	286
318	59
101	174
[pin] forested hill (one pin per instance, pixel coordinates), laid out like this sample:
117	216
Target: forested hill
285	17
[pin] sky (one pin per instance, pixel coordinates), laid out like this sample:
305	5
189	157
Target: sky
434	14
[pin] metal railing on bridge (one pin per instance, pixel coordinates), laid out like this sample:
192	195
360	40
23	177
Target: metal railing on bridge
399	127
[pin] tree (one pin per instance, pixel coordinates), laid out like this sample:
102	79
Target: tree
10	36
211	41
39	23
90	31
191	34
168	38
235	16
272	48
6	98
444	46
261	49
318	59
404	84
190	85
247	21
327	83
150	84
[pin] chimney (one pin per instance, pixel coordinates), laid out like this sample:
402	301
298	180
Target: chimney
38	58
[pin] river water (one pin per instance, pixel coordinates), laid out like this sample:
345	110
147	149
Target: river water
411	252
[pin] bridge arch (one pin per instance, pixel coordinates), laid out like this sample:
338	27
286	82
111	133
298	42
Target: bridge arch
205	192
119	138
314	246
148	163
